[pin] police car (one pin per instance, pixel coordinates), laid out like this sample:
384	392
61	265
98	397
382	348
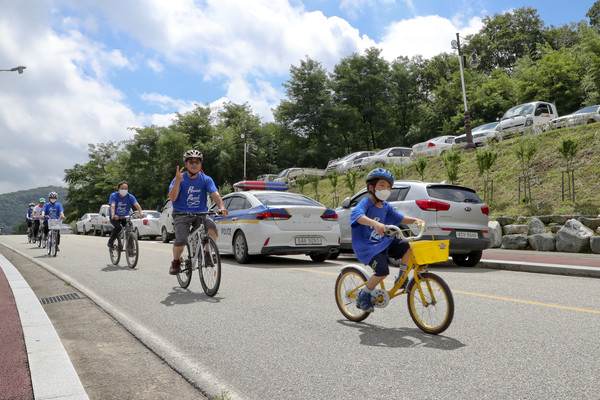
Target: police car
265	219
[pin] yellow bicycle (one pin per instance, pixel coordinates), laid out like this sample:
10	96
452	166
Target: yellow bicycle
430	301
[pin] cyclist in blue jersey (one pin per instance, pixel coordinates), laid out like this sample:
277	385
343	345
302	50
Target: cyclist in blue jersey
368	220
120	203
52	210
188	192
29	217
37	217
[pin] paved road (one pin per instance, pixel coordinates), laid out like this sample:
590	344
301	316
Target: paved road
274	331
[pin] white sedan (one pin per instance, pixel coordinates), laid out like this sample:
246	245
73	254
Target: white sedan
481	135
147	226
84	224
433	147
389	156
276	223
587	115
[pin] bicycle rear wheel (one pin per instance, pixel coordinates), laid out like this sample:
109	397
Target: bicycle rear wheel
131	249
210	271
434	312
346	291
184	277
115	254
39	241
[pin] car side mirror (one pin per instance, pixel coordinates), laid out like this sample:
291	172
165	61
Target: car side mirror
346	202
103	214
159	209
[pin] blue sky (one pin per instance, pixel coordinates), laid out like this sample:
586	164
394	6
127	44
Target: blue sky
96	68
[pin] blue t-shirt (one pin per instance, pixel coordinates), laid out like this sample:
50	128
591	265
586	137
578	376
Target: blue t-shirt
366	242
193	192
53	210
122	204
29	215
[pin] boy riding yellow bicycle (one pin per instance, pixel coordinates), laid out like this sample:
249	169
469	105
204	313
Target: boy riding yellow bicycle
371	246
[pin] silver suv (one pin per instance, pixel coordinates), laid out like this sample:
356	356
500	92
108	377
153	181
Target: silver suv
450	211
165	222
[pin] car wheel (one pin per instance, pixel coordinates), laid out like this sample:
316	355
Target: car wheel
319	257
240	248
137	234
102	231
96	232
333	256
76	230
152	237
467	260
164	235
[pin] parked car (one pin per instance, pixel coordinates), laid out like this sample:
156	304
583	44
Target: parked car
165	222
276	223
535	115
267	177
289	175
389	156
147	226
481	135
450	212
587	115
433	147
101	224
85	223
345	163
66	228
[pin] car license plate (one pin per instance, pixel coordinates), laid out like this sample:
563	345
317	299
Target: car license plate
467	235
303	241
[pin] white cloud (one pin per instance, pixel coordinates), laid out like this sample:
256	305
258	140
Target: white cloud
427	36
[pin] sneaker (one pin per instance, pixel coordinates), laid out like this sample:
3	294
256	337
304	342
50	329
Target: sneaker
57	249
364	301
110	245
175	267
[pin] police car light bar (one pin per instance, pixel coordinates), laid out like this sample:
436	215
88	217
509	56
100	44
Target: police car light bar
260	185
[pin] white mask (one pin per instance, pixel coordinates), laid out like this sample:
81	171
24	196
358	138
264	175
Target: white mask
123	192
52	201
383	194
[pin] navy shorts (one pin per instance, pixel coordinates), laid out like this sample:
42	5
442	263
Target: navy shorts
396	249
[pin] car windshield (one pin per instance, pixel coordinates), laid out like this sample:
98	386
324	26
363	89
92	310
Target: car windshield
349	156
485	127
523	109
453	193
587	110
380	152
285	199
153	214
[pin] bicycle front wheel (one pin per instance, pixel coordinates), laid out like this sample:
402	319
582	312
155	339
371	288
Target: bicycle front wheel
433	312
210	272
54	246
49	243
131	249
346	290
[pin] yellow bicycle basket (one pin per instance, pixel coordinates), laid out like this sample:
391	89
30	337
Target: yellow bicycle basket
430	251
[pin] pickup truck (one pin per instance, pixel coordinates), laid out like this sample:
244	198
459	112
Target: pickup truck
101	224
290	175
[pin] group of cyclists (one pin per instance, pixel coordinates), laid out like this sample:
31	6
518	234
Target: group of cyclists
37	217
189	190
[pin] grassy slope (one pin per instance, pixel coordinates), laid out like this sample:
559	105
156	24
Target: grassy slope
546	176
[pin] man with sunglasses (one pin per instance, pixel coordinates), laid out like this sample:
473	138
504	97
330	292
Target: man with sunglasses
188	193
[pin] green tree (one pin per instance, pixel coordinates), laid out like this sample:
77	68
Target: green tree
350	179
594	15
568	148
420	165
451	160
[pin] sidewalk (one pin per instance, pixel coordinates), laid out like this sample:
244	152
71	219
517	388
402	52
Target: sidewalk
36	365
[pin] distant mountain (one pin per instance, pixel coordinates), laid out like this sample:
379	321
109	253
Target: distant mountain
13	206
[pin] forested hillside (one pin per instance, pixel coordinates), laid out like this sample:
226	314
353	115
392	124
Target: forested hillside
13	206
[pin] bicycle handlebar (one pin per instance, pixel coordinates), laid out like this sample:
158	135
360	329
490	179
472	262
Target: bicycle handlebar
394	231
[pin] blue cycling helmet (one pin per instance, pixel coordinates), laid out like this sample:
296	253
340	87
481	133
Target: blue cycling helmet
377	174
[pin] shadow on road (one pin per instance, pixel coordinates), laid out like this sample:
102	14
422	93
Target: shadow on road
113	268
180	296
373	335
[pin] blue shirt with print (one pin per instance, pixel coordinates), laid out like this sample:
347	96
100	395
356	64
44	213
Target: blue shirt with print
122	204
366	242
193	192
53	210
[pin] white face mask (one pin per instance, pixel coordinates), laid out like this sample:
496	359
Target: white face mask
123	192
52	201
383	194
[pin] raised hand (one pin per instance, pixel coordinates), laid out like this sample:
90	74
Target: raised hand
179	174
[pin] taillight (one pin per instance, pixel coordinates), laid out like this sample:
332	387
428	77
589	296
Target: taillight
329	217
431	144
432	205
145	221
485	210
271	216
